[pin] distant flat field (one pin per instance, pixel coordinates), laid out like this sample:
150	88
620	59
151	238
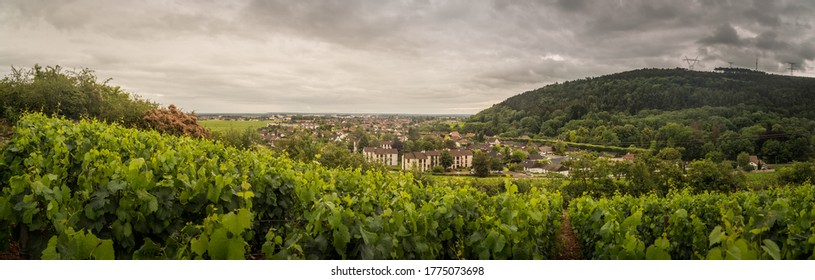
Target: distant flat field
223	125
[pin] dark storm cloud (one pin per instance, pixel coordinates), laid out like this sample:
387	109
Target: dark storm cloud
390	56
571	5
725	35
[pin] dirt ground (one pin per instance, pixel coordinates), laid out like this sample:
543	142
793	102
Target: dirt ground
569	247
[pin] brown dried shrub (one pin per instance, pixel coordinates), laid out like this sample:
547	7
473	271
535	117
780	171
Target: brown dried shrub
174	121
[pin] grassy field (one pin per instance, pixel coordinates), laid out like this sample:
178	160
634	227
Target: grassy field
223	125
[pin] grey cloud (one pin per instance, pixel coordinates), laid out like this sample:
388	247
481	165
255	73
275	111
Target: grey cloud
762	17
571	5
390	56
724	34
769	41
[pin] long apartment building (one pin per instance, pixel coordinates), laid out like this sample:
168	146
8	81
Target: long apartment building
424	161
388	157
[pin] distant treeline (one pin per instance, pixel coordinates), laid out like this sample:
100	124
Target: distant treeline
706	114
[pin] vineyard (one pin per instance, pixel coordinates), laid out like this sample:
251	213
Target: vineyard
773	224
87	190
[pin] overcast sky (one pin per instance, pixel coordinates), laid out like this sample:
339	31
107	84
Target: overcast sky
390	56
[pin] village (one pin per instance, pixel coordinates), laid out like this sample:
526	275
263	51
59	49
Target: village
427	143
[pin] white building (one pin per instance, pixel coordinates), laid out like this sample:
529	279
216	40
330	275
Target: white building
388	157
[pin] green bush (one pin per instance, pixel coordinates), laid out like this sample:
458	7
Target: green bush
797	173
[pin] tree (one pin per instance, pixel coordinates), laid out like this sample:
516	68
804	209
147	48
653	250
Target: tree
481	164
398	145
715	156
413	134
774	152
73	94
446	159
731	144
449	144
299	146
743	161
797	173
247	139
705	175
670	154
559	147
364	141
518	156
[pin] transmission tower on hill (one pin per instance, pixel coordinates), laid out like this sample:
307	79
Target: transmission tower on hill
691	62
792	67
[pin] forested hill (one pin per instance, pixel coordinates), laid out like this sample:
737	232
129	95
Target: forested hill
616	109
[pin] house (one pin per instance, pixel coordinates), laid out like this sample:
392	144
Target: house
757	164
545	150
388	157
557	159
626	157
463	143
534	166
386	145
534	157
455	135
493	141
556	168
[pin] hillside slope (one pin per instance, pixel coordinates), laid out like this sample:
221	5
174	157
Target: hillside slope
666	107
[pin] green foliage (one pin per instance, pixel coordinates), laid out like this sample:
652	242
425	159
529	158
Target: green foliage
303	147
760	114
247	138
707	175
743	161
481	164
797	173
518	156
73	245
771	224
151	196
446	159
74	94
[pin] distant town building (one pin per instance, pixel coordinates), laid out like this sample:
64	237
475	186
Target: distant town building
424	161
757	164
462	158
388	157
386	145
417	161
493	141
545	150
